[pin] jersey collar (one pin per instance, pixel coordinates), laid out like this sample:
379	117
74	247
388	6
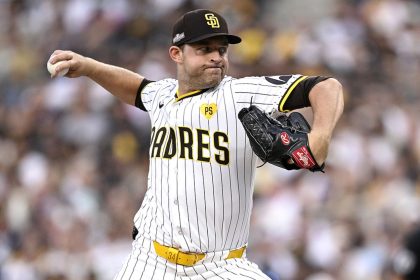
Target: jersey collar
189	94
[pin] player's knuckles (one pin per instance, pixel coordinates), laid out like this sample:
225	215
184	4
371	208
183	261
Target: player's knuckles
68	55
62	67
59	57
56	52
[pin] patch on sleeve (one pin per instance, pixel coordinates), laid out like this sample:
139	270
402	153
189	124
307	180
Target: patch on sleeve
278	80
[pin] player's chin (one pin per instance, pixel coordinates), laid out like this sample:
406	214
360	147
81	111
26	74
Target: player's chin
213	81
215	76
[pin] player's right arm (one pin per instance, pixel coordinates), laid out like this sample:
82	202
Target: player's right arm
120	82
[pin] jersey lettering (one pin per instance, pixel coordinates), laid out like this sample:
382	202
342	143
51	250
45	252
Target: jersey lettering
170	149
220	139
203	145
168	142
158	140
186	142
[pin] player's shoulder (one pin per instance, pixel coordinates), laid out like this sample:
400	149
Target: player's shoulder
249	80
161	84
160	87
274	80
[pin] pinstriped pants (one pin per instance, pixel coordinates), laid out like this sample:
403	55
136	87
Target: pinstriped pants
144	264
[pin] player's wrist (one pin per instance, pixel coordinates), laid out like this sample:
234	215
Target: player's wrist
90	67
319	143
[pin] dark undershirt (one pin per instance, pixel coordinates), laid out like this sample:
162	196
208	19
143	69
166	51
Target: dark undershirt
299	98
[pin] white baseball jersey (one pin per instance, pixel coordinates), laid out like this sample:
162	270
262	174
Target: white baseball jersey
202	167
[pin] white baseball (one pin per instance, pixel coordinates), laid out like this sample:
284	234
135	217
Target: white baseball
51	69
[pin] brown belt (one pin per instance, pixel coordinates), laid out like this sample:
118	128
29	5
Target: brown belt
173	255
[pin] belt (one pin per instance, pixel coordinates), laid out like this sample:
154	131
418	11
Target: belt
175	256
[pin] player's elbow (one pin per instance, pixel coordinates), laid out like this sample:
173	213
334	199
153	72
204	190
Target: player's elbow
337	87
332	85
334	89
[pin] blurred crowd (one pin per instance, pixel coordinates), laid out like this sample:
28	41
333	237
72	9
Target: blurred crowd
74	160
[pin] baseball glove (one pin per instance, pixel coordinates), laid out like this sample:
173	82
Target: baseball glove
282	141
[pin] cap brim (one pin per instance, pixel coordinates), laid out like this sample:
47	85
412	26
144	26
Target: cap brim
232	39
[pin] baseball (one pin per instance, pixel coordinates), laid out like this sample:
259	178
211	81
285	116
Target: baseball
51	68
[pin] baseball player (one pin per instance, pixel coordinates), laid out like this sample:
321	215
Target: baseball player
195	217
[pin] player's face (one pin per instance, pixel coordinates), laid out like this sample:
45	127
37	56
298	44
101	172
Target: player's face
205	63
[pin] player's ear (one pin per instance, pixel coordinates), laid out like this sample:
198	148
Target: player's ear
175	53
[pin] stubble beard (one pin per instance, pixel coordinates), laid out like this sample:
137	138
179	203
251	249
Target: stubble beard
209	80
202	79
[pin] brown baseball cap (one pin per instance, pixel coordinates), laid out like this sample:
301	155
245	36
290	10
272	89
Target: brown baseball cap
201	24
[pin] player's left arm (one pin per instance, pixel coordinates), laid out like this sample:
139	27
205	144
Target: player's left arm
325	96
326	100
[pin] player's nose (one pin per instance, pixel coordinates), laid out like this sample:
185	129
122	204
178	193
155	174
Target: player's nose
215	56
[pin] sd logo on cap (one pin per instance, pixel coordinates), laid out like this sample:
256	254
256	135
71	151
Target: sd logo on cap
201	24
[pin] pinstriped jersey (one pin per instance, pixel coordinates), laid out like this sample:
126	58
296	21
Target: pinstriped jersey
202	167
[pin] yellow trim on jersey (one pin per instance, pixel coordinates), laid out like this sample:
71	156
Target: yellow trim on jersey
288	92
188	94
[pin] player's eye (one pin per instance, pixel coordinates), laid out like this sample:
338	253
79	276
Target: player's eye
204	49
207	49
222	50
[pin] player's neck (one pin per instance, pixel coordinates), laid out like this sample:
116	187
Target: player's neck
185	90
191	93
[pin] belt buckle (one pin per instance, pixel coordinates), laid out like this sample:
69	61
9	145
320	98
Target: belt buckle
189	259
176	256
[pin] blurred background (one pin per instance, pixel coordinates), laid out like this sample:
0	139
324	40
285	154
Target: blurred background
74	160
